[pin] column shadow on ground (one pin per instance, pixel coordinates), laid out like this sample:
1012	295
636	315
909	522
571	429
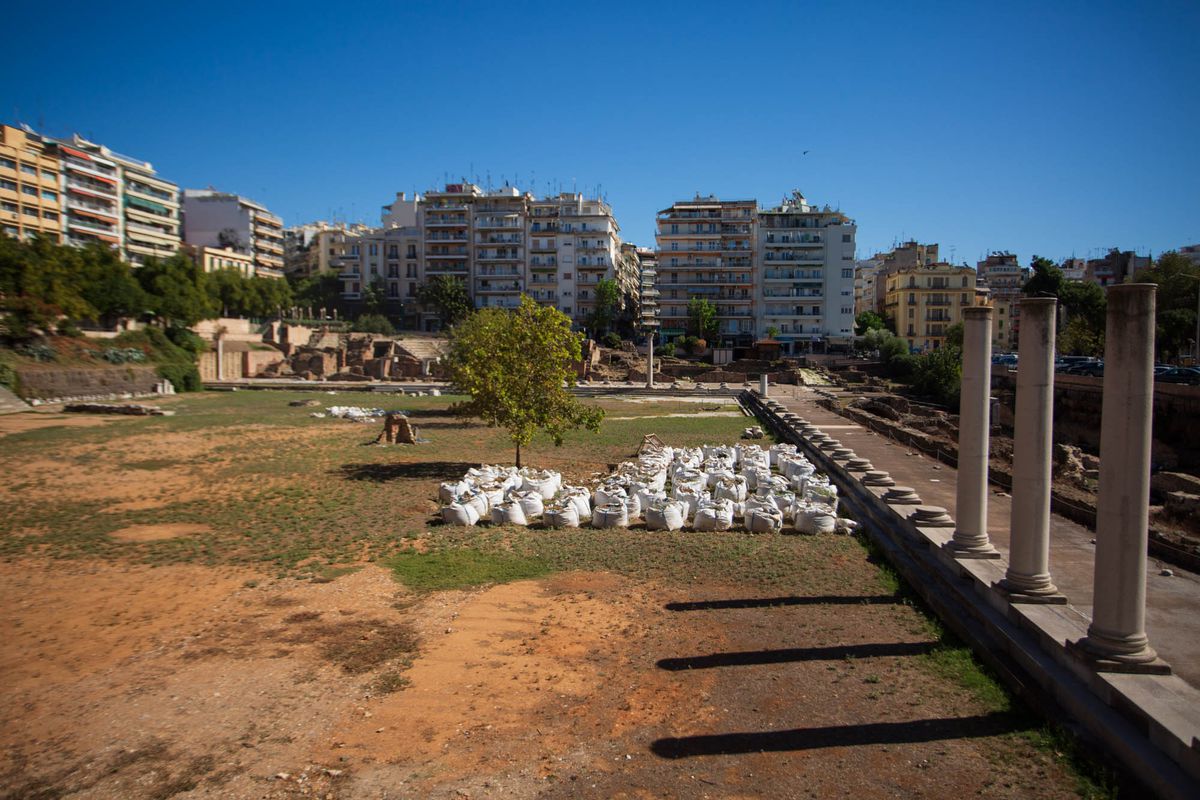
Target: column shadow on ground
773	602
381	473
796	654
910	732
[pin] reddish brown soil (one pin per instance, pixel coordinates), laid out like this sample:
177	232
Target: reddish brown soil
125	681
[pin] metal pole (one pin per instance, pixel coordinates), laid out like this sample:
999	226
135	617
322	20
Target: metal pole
650	362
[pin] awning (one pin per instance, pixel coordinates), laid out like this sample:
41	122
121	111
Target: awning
90	175
76	153
94	215
86	193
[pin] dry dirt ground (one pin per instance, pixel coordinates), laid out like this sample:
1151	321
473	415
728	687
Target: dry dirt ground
124	680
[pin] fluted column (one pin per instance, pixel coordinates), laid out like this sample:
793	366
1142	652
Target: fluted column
974	412
1117	636
1028	576
762	385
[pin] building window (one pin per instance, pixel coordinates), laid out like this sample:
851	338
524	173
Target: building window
847	273
846	238
29	211
30	190
28	170
49	195
7	184
7	163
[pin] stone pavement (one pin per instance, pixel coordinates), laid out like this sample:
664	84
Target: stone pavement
10	403
1172	603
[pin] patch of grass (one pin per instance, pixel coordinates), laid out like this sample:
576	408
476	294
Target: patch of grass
954	662
462	568
362	645
389	681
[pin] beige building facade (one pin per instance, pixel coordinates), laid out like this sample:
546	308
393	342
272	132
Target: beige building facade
925	301
223	220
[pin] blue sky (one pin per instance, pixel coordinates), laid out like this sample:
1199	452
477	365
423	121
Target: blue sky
1054	128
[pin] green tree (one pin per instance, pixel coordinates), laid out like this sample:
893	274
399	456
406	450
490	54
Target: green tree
772	331
608	302
1178	282
317	291
938	374
868	321
447	295
108	284
178	290
374	323
40	283
517	366
1047	279
702	319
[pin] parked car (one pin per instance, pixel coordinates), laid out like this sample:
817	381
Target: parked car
1185	375
1066	363
1094	368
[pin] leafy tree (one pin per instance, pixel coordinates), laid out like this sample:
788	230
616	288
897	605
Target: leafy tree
108	284
608	301
772	331
178	290
868	321
374	323
1047	279
1178	282
374	296
517	366
318	291
954	335
447	295
702	319
938	374
39	280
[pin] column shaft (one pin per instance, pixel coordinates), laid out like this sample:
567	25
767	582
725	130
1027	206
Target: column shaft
1118	629
971	503
1028	575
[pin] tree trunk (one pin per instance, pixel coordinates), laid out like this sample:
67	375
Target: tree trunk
518	456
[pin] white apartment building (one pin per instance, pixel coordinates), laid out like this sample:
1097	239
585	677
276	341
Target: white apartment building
788	268
648	294
117	200
224	220
807	275
705	248
502	244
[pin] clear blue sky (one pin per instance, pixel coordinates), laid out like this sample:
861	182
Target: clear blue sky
1038	127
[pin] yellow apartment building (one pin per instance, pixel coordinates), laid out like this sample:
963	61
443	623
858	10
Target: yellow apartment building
29	186
925	300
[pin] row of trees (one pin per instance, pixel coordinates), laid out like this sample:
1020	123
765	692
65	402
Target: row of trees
46	285
1085	305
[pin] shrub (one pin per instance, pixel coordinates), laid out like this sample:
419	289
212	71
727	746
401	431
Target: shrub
8	377
185	339
374	323
667	349
611	340
69	328
123	355
184	377
38	352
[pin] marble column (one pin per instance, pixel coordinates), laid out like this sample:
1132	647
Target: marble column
762	385
1028	576
1117	636
650	360
974	421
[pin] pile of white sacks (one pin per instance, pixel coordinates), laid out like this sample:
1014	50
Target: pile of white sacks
708	488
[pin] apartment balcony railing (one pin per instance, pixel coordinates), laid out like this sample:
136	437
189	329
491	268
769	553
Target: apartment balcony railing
509	256
446	221
89	168
445	237
796	293
457	252
937	302
95	187
693	280
791	275
137	226
483	223
489	271
493	239
543	263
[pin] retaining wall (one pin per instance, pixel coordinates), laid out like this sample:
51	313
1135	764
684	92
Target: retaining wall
51	382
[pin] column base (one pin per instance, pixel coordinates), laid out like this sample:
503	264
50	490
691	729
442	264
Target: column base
1049	596
956	550
1146	662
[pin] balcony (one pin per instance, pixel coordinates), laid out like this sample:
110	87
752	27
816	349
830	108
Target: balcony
497	287
500	239
447	253
268	272
487	257
93	187
502	271
448	221
696	280
791	275
794	293
496	223
445	237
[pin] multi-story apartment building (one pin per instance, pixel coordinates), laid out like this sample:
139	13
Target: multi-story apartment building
502	244
648	293
221	220
806	275
1074	269
926	300
113	198
1004	277
789	268
866	273
30	186
705	248
211	259
1115	267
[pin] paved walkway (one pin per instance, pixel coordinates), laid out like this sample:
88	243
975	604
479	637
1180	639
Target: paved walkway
1172	603
10	403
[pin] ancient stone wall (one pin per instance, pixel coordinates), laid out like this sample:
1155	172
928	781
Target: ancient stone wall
42	384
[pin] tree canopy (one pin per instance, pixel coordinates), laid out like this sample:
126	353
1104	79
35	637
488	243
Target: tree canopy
517	366
868	321
608	302
702	319
447	295
1178	282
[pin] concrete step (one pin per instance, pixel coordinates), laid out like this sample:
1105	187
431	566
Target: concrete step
10	403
